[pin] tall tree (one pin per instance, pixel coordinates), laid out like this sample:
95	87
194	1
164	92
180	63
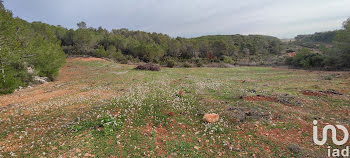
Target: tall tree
82	25
2	5
342	42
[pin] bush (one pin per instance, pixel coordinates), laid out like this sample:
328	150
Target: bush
170	63
219	65
100	52
227	60
288	60
148	66
306	59
26	44
118	56
199	62
187	65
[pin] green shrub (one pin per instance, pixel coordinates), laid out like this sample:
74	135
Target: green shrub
306	59
23	44
170	63
227	60
187	65
100	52
118	56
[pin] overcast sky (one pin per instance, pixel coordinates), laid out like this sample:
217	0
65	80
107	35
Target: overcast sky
191	18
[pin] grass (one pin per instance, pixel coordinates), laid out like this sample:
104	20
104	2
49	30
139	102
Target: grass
108	109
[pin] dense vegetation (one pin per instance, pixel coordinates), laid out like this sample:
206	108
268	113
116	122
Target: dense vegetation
335	56
312	40
124	45
43	47
26	45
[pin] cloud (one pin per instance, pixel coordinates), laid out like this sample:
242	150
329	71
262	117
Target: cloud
190	18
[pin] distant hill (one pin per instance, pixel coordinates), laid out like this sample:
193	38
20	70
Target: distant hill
312	40
250	44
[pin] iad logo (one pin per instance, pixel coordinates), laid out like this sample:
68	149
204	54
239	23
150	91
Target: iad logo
345	152
334	134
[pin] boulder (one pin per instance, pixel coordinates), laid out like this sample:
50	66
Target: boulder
211	118
40	80
30	70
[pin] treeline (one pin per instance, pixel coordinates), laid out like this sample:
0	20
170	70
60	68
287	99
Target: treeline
25	46
337	56
124	45
312	40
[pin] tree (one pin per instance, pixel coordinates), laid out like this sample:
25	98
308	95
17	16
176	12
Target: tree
342	43
118	56
174	48
83	41
306	59
111	49
2	5
82	25
220	48
24	45
100	52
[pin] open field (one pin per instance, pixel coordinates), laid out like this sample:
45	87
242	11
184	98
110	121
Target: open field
98	108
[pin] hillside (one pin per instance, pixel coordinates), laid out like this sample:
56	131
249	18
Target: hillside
98	108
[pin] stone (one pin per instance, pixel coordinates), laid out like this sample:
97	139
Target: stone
294	148
30	70
40	80
211	118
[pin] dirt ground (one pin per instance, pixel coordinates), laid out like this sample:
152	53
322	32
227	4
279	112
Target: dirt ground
262	111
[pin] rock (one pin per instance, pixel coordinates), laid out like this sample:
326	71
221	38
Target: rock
30	70
258	114
294	148
211	118
252	90
40	80
286	99
331	91
240	114
237	113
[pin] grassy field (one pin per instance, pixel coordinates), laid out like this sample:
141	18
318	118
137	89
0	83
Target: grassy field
99	108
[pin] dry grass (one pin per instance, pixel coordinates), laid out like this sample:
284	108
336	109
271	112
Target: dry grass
99	108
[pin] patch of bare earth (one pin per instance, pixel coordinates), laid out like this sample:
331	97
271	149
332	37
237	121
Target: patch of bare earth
67	84
74	89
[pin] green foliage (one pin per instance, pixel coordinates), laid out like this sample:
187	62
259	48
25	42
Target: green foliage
312	40
104	126
170	62
187	65
153	47
227	60
100	52
342	43
1	5
306	59
23	45
118	56
199	62
82	25
335	57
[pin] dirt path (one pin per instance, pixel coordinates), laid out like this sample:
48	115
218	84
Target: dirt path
67	87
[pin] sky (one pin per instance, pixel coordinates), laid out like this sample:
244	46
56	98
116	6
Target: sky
191	18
